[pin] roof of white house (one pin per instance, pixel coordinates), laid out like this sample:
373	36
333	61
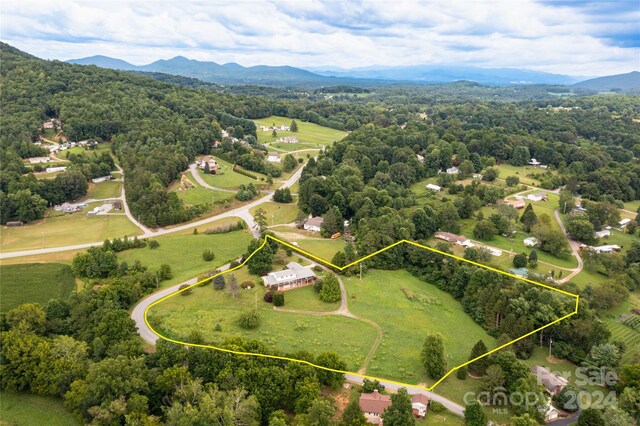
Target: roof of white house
274	278
314	221
433	187
624	221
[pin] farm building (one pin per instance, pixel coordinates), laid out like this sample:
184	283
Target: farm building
534	162
419	404
55	169
460	240
294	276
314	224
552	382
373	405
518	204
606	249
273	157
531	241
434	188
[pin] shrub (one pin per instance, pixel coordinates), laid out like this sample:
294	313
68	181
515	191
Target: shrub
154	244
318	285
218	327
233	264
249	320
208	255
187	291
165	272
219	282
461	373
369	386
247	284
520	260
317	268
278	298
268	297
436	407
330	291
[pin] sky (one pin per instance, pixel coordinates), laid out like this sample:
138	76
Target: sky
583	38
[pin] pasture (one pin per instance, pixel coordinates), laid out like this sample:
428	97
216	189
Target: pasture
310	135
277	213
26	409
34	283
102	190
227	178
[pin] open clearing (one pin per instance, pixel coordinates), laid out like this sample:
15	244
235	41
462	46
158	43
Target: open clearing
102	190
310	135
228	179
34	283
184	253
63	230
277	213
26	409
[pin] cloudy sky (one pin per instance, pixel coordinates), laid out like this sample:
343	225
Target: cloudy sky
569	37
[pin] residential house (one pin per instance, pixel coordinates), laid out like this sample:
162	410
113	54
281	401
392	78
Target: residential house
518	204
289	139
224	134
453	170
420	158
603	234
273	157
494	251
534	162
283	128
101	179
314	224
477	176
552	382
538	196
213	164
55	169
117	205
419	404
294	276
531	241
434	188
460	240
373	405
606	249
624	222
39	160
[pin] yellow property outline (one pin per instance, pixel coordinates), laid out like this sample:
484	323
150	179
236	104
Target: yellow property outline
341	268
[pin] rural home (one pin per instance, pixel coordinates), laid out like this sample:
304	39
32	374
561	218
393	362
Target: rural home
606	249
534	162
101	179
273	157
294	276
224	134
373	405
419	404
538	196
314	224
518	204
460	240
55	169
551	413
420	158
213	164
624	222
603	233
453	170
433	187
289	139
477	176
39	160
552	382
531	241
494	251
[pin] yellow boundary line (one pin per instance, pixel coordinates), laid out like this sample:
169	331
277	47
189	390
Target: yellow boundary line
364	376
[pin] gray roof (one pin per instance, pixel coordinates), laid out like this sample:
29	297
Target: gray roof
294	265
548	379
288	275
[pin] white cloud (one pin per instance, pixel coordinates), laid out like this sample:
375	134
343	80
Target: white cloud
521	33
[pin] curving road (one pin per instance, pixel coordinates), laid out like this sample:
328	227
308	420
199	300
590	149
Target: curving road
575	248
201	182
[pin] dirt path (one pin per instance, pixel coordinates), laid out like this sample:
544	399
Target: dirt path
575	248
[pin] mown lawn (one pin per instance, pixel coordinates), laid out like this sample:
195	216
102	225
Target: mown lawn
277	213
107	189
632	205
62	230
184	253
200	195
200	311
227	178
310	135
523	172
405	323
307	299
34	283
24	409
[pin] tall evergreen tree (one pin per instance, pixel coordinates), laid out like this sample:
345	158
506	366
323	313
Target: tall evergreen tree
399	413
433	356
353	415
478	368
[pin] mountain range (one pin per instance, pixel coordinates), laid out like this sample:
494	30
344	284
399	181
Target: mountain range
234	74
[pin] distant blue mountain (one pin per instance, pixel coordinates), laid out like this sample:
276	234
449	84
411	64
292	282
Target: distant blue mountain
233	73
629	82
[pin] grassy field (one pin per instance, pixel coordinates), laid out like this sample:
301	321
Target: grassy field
227	179
34	283
306	298
24	409
632	205
62	230
287	332
184	253
278	213
620	331
523	172
199	194
383	296
311	242
310	135
107	189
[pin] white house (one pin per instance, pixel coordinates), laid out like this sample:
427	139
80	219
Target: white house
534	162
477	176
419	404
531	241
453	170
603	233
460	240
606	249
39	160
55	169
294	276
314	224
289	139
434	188
101	179
494	251
538	196
273	157
624	222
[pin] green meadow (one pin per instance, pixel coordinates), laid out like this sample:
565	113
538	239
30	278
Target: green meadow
34	283
310	135
25	409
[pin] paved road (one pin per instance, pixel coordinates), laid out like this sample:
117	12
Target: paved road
198	178
575	248
241	212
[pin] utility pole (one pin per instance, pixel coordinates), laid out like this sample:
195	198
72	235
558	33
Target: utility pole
550	342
